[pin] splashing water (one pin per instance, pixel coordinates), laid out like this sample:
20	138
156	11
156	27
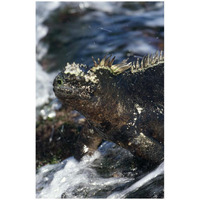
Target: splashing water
73	179
43	80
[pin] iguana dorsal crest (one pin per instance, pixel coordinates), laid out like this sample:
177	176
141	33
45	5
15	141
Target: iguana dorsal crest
141	64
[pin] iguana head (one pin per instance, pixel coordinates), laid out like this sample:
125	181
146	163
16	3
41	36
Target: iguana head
77	81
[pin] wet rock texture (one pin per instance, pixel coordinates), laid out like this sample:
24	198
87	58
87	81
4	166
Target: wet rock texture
56	138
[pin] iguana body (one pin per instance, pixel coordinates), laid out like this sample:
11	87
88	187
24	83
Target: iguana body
122	103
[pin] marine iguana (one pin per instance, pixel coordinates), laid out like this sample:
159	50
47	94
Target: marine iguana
123	103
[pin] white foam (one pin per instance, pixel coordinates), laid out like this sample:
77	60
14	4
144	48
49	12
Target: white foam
52	183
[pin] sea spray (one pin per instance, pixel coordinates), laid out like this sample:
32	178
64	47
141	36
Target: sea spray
71	179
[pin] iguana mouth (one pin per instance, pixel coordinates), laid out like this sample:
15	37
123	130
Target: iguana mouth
64	91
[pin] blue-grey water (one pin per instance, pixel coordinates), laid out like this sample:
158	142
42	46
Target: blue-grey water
73	32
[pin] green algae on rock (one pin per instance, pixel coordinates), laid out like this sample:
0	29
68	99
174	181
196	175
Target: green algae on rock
123	103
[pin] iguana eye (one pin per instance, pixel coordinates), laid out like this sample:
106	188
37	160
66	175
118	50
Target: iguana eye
59	81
